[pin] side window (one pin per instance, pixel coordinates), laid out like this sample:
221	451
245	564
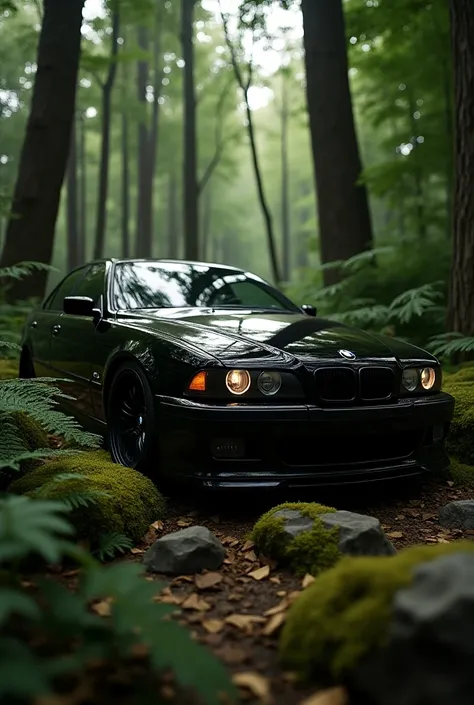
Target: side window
55	301
93	284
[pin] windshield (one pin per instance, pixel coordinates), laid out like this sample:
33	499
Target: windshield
178	285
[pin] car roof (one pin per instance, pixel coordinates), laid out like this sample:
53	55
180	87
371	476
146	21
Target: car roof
191	263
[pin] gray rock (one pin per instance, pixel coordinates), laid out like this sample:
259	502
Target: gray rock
430	649
458	515
185	552
359	535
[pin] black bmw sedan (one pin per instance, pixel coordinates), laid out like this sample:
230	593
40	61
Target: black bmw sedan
206	373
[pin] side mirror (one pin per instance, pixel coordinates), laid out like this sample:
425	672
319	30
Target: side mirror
79	306
309	310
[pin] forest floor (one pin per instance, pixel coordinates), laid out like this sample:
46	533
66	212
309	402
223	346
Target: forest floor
239	610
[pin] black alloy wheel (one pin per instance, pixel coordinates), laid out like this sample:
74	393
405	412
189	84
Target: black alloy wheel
131	419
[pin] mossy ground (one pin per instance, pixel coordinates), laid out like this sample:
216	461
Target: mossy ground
346	612
131	504
460	443
8	368
310	552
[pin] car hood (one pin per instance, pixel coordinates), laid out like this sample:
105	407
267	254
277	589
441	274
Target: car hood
243	336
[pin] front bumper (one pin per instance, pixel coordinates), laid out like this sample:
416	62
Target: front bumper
248	445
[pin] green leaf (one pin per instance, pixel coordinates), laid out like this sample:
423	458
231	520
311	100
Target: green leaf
15	602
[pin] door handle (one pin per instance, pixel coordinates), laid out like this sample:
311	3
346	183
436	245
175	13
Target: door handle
34	324
56	329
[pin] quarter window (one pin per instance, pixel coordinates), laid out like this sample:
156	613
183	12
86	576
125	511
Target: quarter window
93	283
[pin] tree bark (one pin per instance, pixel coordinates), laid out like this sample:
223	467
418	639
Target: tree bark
344	217
46	146
82	236
285	196
125	186
173	228
245	85
105	147
461	293
206	221
190	180
72	210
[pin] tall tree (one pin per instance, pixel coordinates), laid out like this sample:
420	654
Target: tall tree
143	71
245	84
125	249
461	299
46	146
82	159
173	216
344	218
107	88
72	204
285	195
190	179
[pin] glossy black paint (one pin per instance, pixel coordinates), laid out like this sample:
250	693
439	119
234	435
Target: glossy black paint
294	438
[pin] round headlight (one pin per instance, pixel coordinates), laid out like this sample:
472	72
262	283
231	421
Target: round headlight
410	379
269	383
428	377
238	381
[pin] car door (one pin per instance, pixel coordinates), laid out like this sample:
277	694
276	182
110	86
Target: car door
74	339
42	324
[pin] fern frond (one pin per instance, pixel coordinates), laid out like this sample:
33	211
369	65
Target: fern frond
449	344
415	302
23	269
112	543
75	498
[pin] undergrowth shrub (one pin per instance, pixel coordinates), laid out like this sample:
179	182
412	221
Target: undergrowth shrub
62	621
124	501
345	612
310	552
460	442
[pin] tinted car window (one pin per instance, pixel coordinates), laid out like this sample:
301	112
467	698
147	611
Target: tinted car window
93	283
160	285
65	288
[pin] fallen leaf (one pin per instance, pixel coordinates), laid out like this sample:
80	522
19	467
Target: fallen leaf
168	599
102	608
395	534
427	516
450	483
213	626
440	540
136	551
307	580
158	525
333	696
294	595
244	621
274	624
281	607
205	581
194	602
247	546
251	556
258	685
275	579
232	654
260	573
183	522
183	579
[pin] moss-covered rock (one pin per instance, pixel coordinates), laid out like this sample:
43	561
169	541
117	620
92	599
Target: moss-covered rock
310	552
125	501
346	611
31	436
461	474
460	442
8	368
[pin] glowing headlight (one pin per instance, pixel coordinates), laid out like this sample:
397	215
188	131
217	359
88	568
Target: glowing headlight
269	383
428	377
238	381
410	379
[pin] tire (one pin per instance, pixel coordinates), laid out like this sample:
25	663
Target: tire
131	419
26	369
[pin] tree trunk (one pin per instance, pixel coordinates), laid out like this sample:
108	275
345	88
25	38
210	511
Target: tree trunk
190	182
343	209
151	151
72	210
82	256
46	146
143	71
125	186
206	221
105	147
285	197
173	228
461	294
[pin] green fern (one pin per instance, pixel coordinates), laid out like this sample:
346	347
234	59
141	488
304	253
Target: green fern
74	499
416	302
111	544
448	345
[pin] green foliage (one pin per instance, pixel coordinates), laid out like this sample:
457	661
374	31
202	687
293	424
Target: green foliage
346	612
311	552
461	474
73	634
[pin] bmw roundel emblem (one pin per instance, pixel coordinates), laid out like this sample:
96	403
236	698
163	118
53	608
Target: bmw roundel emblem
347	354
